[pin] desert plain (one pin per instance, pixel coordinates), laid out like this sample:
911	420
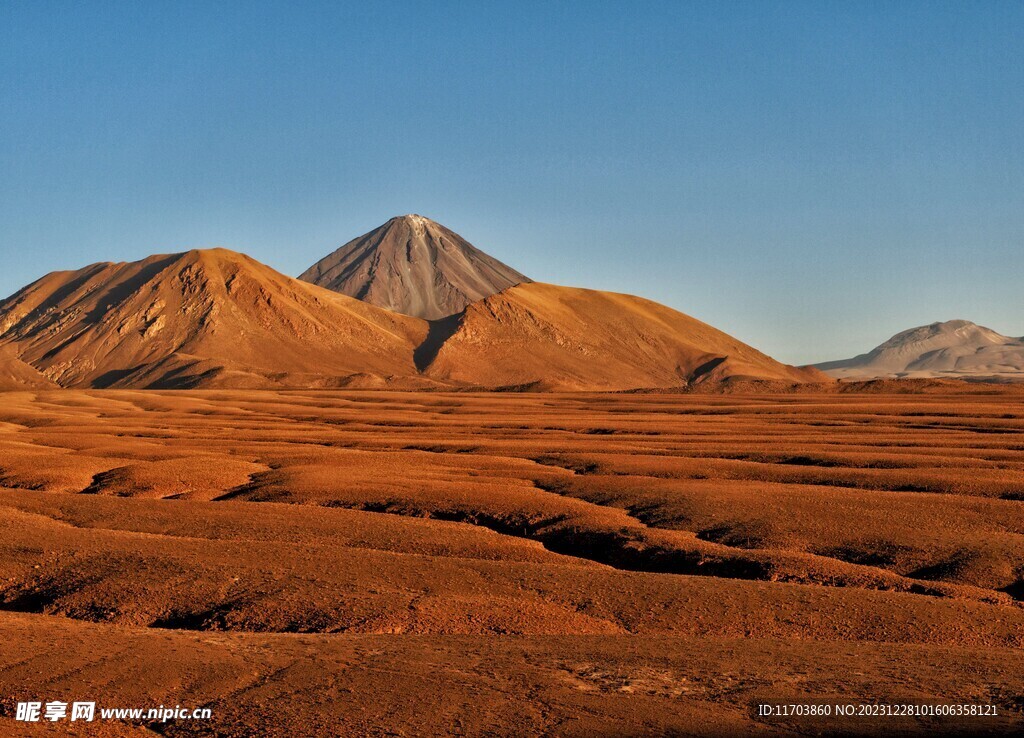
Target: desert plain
373	563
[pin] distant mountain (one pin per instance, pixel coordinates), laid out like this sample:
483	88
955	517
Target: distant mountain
954	349
552	337
200	319
413	266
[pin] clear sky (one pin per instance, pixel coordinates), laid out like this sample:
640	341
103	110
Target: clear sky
810	177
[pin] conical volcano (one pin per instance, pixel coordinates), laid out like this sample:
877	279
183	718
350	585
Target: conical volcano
414	266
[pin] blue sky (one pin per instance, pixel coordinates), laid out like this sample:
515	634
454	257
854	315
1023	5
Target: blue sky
810	177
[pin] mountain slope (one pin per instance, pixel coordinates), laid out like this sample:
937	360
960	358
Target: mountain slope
954	349
553	337
202	318
413	266
15	374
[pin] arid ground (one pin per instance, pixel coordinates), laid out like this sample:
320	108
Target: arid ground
388	563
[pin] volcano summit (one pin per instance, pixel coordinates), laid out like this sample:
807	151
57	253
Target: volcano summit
414	266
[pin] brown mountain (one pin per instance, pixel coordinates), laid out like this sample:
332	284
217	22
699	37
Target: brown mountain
220	319
955	349
413	266
552	337
202	318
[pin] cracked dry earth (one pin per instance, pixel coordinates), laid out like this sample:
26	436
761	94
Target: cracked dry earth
384	563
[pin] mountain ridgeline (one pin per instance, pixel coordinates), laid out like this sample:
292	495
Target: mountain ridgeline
426	310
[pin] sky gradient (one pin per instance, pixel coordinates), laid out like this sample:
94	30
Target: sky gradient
810	177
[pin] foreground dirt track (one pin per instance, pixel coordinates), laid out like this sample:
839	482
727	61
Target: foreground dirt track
422	563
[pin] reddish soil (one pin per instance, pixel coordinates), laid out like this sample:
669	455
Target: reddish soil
386	563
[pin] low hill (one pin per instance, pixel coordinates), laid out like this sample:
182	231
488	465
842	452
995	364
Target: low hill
15	374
